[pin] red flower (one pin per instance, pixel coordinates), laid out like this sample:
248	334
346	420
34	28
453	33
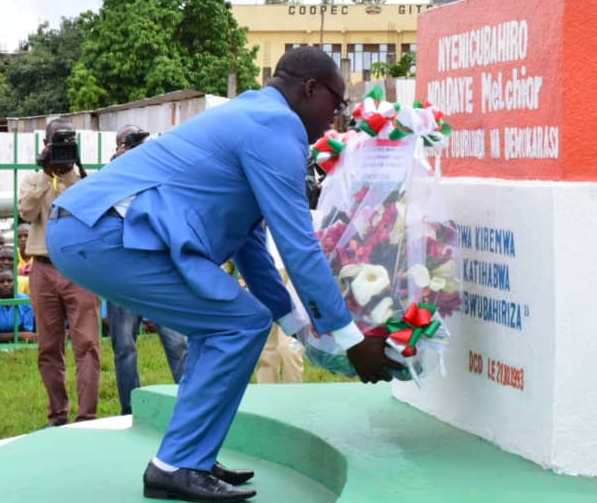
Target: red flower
361	194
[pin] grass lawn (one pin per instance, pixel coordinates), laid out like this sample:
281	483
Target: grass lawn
23	400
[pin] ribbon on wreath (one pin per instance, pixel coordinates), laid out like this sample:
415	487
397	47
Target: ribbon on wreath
416	322
326	151
373	113
436	137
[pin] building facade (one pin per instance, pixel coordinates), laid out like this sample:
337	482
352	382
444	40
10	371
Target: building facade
364	33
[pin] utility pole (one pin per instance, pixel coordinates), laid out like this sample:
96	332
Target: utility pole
322	11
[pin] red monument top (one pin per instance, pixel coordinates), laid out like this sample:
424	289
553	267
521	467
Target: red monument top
518	82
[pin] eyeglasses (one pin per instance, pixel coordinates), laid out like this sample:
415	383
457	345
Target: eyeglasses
342	103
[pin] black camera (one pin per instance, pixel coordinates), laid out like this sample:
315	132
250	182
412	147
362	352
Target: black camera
62	150
134	139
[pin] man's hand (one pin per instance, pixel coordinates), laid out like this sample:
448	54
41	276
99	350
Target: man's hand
369	360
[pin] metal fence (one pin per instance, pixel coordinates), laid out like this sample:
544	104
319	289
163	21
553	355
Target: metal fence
18	152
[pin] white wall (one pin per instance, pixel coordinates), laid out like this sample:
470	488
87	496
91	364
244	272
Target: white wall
551	418
93	151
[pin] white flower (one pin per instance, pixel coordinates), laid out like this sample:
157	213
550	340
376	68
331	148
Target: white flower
436	284
350	271
446	270
383	311
420	275
399	225
346	274
440	279
370	281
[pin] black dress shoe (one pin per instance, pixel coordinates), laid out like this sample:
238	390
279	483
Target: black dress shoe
189	485
234	477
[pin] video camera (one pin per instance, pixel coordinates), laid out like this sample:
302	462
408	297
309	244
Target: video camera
61	151
134	139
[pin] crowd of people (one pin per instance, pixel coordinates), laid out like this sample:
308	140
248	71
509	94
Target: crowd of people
60	310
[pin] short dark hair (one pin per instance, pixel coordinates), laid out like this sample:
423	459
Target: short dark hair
124	131
56	124
306	63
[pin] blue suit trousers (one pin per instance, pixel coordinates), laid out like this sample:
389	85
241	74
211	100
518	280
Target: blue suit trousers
225	337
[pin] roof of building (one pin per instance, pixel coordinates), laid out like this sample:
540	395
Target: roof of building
183	94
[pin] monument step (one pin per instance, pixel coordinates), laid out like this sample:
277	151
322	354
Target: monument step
310	443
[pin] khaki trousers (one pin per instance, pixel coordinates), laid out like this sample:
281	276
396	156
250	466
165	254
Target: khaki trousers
55	300
281	359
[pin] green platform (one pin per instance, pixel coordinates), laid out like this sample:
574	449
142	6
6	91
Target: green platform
350	443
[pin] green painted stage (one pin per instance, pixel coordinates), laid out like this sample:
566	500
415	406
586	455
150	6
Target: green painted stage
308	443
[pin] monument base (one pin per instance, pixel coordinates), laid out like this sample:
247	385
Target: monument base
350	443
520	366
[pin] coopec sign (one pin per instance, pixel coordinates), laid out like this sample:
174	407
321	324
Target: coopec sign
342	10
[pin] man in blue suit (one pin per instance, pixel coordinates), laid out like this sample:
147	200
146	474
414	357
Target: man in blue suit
150	231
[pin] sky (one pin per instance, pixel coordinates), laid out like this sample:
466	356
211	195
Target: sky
21	17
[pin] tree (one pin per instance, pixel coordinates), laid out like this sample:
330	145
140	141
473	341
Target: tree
401	69
140	48
83	90
36	78
7	102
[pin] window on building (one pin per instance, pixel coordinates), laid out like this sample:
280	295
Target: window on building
362	56
334	50
404	48
293	46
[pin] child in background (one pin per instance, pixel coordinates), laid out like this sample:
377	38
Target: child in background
25	261
7	313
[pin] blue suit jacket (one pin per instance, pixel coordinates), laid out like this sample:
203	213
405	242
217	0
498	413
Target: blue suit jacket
204	188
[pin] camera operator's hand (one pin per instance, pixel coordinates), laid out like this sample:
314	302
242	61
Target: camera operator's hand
53	170
43	155
62	170
369	360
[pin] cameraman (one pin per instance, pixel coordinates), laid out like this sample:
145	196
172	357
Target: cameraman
124	325
55	298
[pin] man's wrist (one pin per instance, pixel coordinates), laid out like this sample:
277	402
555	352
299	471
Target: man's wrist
348	336
291	323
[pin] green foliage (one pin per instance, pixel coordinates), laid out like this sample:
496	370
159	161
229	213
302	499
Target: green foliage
141	48
400	69
130	50
23	397
83	90
6	96
35	80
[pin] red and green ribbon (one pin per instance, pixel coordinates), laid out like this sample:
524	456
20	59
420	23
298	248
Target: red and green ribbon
416	322
374	123
326	152
400	131
370	118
